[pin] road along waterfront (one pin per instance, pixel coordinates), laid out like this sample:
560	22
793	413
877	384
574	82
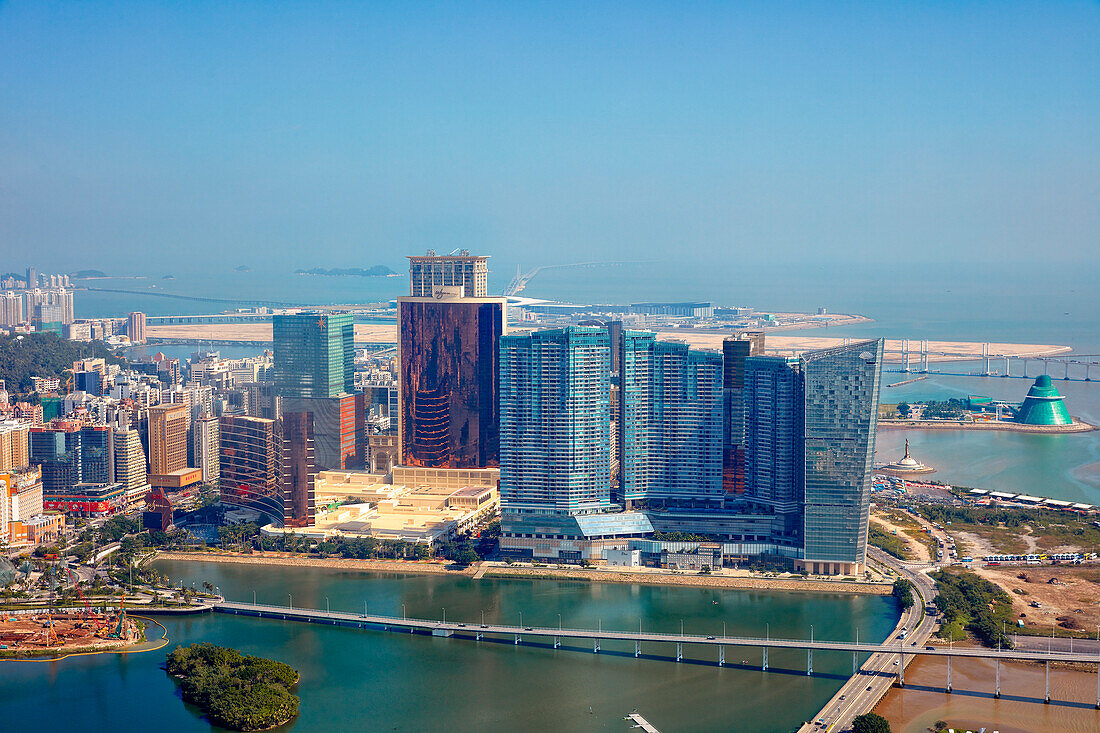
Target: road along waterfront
647	576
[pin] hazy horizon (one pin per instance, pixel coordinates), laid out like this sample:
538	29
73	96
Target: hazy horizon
157	137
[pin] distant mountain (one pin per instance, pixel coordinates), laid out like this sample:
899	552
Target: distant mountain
376	271
88	273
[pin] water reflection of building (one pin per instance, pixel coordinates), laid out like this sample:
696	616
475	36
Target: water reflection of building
448	379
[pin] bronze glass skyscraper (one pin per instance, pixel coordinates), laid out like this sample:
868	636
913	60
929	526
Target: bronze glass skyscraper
449	358
297	470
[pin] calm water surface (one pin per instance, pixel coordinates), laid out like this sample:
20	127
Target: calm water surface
360	680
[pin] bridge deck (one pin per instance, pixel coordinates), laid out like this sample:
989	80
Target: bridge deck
339	618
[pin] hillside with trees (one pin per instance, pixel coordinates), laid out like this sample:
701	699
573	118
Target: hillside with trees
44	355
235	691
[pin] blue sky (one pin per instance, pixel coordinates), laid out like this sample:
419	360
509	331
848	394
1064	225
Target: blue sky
283	134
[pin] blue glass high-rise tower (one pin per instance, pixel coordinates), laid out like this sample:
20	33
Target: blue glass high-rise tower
314	354
555	421
841	416
810	436
670	422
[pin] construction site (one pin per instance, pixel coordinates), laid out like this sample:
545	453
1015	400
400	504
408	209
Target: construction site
31	633
65	630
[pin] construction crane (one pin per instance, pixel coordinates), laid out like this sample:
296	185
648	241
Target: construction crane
89	613
119	630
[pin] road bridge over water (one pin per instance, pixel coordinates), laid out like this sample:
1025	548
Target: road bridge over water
477	631
596	637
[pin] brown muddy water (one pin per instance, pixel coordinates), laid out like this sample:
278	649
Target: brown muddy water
971	705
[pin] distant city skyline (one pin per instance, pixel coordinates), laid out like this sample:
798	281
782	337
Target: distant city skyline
330	134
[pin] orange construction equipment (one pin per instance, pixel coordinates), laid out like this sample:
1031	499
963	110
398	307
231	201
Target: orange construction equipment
89	612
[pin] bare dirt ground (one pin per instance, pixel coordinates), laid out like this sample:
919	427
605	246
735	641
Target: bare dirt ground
28	633
982	540
1073	603
918	551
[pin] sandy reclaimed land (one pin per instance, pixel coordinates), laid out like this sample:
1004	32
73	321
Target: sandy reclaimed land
937	350
368	333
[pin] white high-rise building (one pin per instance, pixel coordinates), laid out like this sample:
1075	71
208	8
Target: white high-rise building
11	308
130	468
205	442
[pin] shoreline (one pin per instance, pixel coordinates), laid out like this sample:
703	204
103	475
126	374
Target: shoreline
1078	426
543	573
288	560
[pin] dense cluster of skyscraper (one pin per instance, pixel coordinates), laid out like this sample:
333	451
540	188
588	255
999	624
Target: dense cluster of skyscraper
606	438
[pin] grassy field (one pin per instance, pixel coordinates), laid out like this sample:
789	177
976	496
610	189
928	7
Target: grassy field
891	544
1019	531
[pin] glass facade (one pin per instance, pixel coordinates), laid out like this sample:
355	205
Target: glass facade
314	354
58	452
841	412
555	421
735	351
250	464
448	381
773	435
338	426
298	471
634	355
96	454
670	421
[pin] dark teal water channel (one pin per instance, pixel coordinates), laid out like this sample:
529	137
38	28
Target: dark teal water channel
356	680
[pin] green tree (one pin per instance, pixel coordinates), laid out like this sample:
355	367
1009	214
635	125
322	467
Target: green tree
466	555
903	592
870	723
904	410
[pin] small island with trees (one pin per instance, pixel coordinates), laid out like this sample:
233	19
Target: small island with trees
235	691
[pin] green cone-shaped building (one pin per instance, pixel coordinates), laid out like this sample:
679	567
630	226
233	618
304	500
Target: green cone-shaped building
1043	405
